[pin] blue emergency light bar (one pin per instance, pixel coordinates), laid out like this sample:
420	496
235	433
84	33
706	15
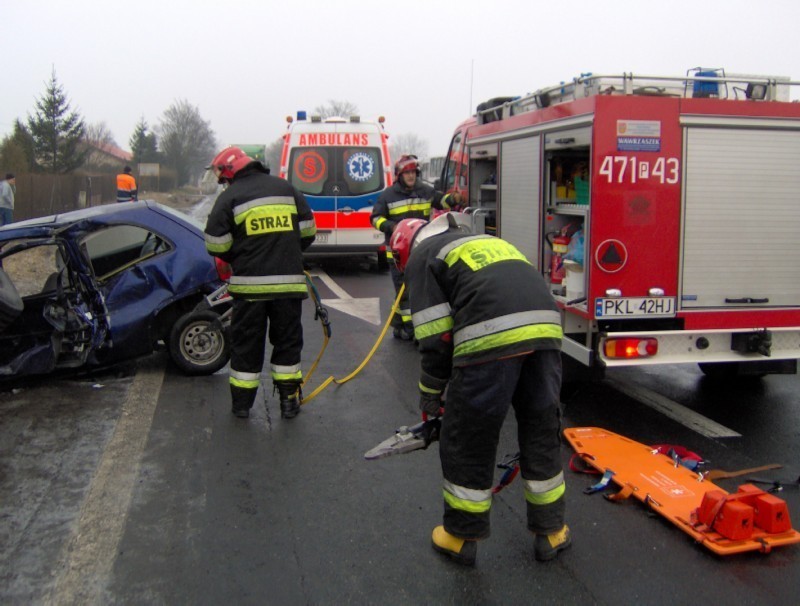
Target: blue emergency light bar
301	114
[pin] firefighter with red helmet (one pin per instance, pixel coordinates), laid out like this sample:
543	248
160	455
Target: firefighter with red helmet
407	198
260	225
490	332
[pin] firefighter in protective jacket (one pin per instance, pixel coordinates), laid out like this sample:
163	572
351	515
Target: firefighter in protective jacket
260	225
407	198
488	330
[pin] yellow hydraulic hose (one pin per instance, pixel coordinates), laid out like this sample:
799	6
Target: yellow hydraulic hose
361	366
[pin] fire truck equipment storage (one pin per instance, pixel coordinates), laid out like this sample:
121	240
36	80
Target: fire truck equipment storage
687	192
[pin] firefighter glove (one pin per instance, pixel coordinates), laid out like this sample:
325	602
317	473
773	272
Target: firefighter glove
430	403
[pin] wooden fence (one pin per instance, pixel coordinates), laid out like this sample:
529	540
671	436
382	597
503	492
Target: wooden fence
42	195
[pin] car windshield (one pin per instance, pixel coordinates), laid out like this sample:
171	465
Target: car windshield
341	171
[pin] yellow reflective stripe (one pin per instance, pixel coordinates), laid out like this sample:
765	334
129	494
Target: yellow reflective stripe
279	279
378	221
219	244
288	376
245	380
389	254
434	312
506	322
252	289
509	337
308	228
424	208
243	384
467	499
429	389
477	254
265	209
240	210
435	327
545	498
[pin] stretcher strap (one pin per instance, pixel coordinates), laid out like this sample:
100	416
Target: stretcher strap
578	464
601	484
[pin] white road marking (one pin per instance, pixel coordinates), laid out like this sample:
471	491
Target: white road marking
367	308
677	412
88	558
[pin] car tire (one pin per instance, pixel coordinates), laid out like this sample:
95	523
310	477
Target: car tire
199	344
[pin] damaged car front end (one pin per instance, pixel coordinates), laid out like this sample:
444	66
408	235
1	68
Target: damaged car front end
106	284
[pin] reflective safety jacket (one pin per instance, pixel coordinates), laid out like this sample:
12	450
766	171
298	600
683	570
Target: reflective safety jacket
476	298
261	225
126	188
398	202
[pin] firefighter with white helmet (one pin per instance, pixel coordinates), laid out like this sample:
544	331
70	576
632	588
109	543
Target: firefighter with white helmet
490	332
260	225
407	198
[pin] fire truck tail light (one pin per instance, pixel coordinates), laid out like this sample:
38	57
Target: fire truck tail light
630	348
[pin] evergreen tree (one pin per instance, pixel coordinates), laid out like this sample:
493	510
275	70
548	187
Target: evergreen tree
144	145
16	150
56	131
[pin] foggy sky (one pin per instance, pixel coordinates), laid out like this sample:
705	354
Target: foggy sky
424	65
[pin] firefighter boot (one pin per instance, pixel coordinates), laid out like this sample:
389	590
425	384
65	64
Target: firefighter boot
547	546
460	550
289	394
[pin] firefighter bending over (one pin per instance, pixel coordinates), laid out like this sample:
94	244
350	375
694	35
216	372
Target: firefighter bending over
487	326
407	198
260	224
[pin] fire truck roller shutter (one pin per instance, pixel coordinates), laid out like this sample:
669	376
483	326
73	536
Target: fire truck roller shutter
520	176
741	217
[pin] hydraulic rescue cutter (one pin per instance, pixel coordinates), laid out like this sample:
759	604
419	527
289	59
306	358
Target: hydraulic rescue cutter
749	519
407	439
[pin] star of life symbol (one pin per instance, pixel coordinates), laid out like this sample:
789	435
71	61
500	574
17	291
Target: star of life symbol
360	167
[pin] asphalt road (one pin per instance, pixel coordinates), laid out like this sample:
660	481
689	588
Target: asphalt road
138	486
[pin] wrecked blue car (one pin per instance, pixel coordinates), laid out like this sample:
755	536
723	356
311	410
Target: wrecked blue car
101	285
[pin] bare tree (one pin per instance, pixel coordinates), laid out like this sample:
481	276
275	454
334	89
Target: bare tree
186	140
273	156
407	143
342	109
100	141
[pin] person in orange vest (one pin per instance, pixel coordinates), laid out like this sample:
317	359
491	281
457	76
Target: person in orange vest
126	186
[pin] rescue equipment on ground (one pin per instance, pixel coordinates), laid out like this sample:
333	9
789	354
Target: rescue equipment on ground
407	439
352	375
726	523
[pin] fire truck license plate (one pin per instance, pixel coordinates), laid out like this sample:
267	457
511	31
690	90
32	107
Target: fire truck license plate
635	307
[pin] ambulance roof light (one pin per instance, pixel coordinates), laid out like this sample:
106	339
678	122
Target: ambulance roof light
289	119
381	119
301	114
355	118
316	118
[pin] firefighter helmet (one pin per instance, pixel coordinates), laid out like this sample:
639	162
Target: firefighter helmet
406	163
402	239
229	162
410	232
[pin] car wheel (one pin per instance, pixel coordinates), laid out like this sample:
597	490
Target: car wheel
199	344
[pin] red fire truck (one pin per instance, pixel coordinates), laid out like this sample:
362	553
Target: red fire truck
663	211
341	165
